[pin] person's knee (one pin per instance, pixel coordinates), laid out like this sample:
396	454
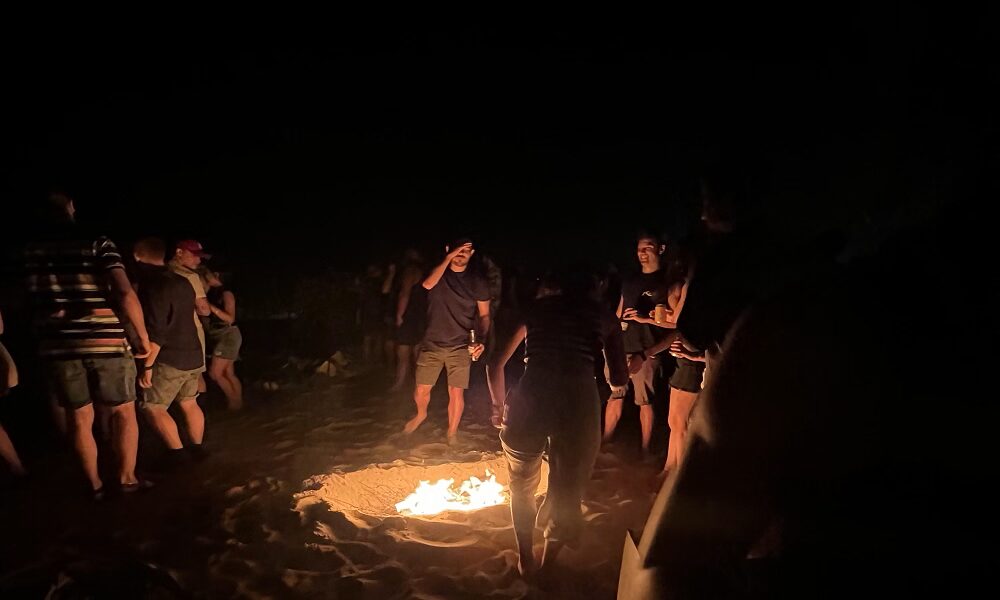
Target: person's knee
123	413
84	416
525	481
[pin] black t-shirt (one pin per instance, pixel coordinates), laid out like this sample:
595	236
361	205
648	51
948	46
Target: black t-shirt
643	292
167	303
572	334
451	307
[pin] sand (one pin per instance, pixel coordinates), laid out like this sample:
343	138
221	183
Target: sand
297	502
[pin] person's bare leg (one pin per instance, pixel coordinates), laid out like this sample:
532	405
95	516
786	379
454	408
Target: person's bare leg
125	432
105	425
681	404
456	406
612	413
217	372
524	478
646	418
195	419
235	382
164	424
422	398
83	442
9	454
403	360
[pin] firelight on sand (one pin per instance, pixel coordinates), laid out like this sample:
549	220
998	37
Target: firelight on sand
472	494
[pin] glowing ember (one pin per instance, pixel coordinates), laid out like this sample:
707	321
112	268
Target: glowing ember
473	494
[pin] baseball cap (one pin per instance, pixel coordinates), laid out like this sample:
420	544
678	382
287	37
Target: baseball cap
194	247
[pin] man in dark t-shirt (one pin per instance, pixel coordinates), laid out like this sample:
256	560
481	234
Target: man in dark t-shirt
458	303
176	360
640	295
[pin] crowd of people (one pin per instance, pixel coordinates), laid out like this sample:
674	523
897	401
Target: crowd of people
590	337
109	340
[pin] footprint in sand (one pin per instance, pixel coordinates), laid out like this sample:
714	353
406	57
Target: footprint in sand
361	553
429	450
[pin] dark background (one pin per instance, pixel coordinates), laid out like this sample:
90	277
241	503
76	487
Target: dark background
295	150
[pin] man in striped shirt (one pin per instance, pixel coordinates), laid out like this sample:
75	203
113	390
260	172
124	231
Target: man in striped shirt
80	296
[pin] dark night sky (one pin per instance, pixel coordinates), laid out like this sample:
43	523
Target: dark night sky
321	148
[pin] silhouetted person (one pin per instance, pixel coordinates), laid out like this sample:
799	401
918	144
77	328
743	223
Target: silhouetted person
81	297
410	315
458	300
556	403
8	380
176	360
224	340
820	444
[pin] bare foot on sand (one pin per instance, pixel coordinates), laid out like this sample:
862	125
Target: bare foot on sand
413	423
453	439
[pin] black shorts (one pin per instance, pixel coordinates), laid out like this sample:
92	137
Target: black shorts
687	376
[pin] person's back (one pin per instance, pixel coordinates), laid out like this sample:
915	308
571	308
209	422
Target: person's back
565	334
81	300
168	298
74	317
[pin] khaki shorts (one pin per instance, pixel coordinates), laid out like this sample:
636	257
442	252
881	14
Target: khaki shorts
75	383
170	384
431	359
225	342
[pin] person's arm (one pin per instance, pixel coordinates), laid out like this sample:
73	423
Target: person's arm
679	350
201	305
495	378
663	344
631	314
146	376
227	313
438	272
159	315
127	299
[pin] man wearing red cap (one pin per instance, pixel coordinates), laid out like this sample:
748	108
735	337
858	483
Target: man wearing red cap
187	258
